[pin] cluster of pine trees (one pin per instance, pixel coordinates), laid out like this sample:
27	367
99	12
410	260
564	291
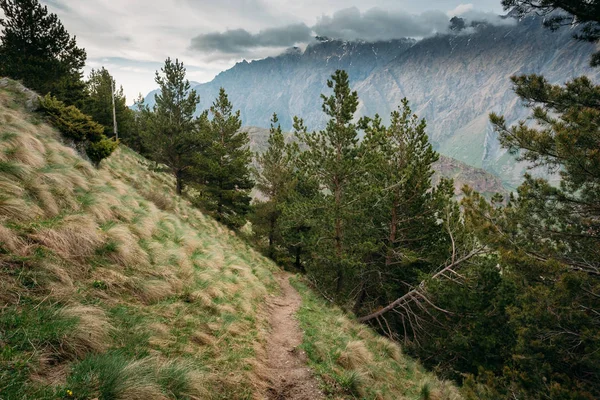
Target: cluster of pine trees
502	295
207	154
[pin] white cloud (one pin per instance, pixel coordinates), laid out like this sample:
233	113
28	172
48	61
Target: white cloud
460	9
374	24
490	18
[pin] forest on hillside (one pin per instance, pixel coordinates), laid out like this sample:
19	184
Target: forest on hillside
500	295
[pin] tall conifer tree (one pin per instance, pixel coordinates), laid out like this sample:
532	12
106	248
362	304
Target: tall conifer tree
173	137
331	157
223	169
100	88
36	49
274	175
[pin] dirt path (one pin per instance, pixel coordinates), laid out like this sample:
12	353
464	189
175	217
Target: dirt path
289	376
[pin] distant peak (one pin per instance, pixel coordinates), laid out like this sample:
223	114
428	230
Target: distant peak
293	50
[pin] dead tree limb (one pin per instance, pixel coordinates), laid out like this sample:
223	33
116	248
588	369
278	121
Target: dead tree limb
408	297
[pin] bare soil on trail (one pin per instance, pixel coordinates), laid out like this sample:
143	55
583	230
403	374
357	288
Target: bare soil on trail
290	378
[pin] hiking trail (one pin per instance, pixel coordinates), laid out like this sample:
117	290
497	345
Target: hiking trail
290	378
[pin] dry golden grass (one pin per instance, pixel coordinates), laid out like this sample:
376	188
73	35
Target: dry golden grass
115	281
128	252
77	238
26	150
388	348
153	291
10	241
62	286
44	198
91	332
17	209
159	199
355	355
136	383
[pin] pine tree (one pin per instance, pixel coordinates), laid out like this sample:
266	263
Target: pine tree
223	168
567	144
140	127
404	208
401	166
300	212
99	104
173	137
583	13
274	176
331	157
548	243
36	49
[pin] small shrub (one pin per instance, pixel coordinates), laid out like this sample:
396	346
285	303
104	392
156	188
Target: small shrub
70	121
81	128
98	151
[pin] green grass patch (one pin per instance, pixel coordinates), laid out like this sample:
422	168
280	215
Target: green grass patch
354	362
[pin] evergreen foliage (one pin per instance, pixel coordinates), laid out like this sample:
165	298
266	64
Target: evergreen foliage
333	157
172	137
360	217
402	207
584	13
79	127
222	169
274	177
99	104
37	49
527	313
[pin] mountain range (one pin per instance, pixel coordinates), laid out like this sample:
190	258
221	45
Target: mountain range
452	80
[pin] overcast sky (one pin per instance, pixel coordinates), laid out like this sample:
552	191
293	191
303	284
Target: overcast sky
132	38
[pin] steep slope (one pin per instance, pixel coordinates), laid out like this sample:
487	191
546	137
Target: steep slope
112	287
454	81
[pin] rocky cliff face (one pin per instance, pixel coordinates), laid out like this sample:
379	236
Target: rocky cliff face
454	81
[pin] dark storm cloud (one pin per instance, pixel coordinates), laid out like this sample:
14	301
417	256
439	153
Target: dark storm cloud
239	40
377	24
349	24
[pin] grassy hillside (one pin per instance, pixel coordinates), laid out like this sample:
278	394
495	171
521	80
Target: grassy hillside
353	360
112	287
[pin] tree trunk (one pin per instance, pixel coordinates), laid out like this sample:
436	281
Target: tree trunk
298	262
360	300
114	112
272	235
418	290
338	243
179	180
393	231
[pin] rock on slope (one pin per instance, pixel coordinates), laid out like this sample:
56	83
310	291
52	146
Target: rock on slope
112	287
